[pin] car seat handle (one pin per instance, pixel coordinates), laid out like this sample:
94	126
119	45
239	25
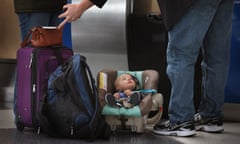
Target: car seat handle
153	91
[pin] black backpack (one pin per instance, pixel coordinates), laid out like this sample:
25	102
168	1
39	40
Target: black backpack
71	107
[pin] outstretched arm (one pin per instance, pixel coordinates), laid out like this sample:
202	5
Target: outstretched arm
74	11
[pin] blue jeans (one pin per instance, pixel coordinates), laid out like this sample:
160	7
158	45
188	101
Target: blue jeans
206	26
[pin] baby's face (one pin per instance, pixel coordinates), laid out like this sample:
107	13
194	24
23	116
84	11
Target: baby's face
124	82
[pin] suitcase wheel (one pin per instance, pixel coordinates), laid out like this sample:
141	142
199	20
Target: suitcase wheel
20	126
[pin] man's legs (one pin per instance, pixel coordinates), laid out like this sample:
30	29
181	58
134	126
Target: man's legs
185	41
216	56
215	64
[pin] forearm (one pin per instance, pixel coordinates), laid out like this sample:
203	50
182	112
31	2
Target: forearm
85	4
74	11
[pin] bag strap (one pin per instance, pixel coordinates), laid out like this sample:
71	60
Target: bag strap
93	90
93	87
92	80
95	120
102	129
42	117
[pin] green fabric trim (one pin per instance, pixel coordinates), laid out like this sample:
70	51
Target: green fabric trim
109	110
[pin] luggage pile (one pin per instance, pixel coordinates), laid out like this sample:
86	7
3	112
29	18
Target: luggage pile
56	94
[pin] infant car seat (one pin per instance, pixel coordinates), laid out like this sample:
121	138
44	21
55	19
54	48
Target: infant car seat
139	117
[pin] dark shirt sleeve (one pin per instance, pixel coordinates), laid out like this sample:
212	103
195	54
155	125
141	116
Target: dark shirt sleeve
99	3
173	10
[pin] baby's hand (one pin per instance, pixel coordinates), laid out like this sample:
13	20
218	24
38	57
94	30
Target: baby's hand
116	95
128	92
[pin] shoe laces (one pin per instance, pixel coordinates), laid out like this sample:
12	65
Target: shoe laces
208	120
197	117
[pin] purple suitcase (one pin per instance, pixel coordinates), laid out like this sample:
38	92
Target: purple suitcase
34	65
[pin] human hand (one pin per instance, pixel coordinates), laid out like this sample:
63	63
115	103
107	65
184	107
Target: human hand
116	95
74	11
128	92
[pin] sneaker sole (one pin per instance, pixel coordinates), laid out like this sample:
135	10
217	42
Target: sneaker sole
210	129
176	133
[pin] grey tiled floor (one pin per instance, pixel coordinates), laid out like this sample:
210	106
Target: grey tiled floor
10	135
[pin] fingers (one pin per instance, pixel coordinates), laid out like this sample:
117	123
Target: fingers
64	15
65	8
70	14
67	19
62	23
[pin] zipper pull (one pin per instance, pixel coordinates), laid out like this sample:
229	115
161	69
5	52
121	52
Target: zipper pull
38	130
71	130
31	59
34	88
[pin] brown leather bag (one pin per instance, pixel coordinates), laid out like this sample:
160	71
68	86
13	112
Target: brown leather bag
43	37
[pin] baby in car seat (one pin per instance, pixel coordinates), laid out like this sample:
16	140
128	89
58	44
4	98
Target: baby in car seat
125	95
